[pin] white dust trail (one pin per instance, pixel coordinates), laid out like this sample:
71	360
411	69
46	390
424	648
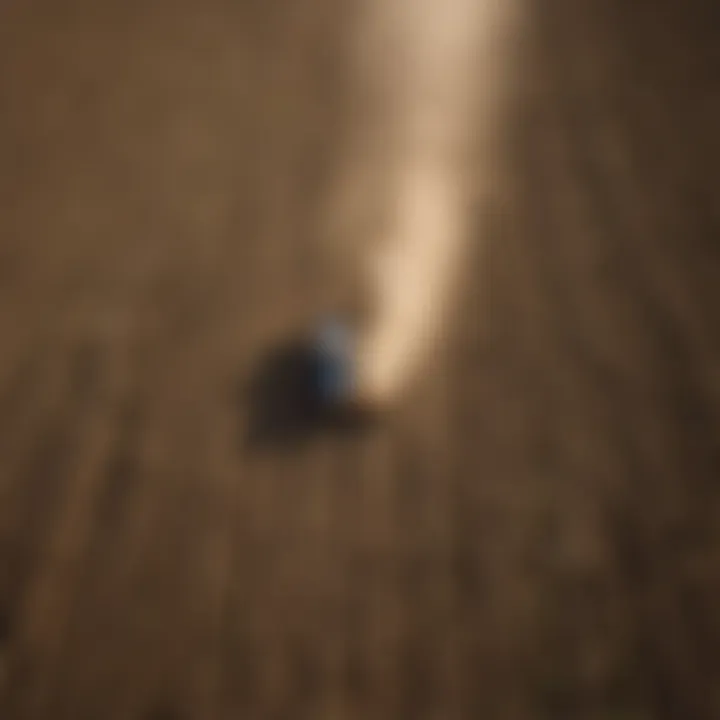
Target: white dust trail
432	69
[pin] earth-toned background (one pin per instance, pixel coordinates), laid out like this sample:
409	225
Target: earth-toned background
535	535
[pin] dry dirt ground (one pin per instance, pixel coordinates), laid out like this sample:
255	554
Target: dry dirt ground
535	535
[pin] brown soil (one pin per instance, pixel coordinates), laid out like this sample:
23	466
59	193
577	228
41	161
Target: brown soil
535	535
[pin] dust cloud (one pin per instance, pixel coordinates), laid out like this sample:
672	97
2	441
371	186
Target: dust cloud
430	71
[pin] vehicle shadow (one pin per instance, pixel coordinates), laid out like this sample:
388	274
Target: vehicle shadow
283	409
283	406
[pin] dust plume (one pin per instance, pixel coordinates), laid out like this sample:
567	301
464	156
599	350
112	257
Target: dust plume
430	70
